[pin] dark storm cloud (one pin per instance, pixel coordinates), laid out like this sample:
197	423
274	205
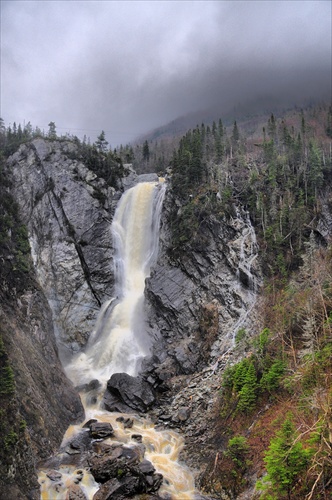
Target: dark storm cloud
127	67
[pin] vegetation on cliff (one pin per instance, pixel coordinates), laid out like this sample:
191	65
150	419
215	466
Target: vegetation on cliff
275	404
275	420
279	176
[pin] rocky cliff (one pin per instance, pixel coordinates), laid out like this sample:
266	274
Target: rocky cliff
196	303
67	210
36	413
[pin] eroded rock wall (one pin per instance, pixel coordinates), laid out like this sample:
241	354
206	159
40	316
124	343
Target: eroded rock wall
198	301
67	210
44	403
195	303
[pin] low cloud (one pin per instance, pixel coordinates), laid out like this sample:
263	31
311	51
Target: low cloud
126	67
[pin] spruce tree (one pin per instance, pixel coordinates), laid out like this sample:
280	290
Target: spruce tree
52	130
101	142
146	151
285	460
248	393
329	123
235	133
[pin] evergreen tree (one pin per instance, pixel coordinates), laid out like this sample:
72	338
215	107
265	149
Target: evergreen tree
52	130
235	134
235	139
27	131
146	151
272	127
2	134
329	123
19	132
239	377
315	175
101	142
248	393
285	460
220	128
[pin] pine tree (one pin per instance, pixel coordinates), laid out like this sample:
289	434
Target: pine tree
248	393
52	130
272	127
101	142
240	374
285	460
329	123
146	151
235	133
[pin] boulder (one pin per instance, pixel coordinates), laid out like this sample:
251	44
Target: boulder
101	430
123	473
126	393
114	462
126	421
74	492
81	442
118	490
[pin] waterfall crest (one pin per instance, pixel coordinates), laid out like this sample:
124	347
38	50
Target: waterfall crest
119	342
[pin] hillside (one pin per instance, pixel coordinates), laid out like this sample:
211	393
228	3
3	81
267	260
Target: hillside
250	119
274	415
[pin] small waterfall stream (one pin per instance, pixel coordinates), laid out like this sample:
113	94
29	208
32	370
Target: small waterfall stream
247	255
119	344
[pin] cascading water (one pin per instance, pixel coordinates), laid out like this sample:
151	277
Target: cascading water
119	343
246	259
248	254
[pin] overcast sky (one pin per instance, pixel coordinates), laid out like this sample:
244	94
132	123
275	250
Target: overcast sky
127	67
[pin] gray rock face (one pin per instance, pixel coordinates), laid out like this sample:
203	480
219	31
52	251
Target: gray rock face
196	304
45	399
132	178
67	210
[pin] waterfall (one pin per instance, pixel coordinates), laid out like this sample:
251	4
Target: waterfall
248	253
118	342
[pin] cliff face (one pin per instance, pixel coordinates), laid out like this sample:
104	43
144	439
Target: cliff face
197	302
195	305
37	412
67	210
61	203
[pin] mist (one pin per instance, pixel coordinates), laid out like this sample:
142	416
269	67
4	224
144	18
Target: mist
127	67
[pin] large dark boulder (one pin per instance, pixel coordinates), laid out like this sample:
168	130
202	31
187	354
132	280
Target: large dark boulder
101	430
123	472
118	490
114	462
126	393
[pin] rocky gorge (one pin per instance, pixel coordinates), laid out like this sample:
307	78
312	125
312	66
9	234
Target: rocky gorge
193	306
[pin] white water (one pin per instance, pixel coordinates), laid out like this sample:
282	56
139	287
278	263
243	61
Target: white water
248	254
119	343
248	243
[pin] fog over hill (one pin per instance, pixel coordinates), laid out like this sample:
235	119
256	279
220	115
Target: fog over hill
128	67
